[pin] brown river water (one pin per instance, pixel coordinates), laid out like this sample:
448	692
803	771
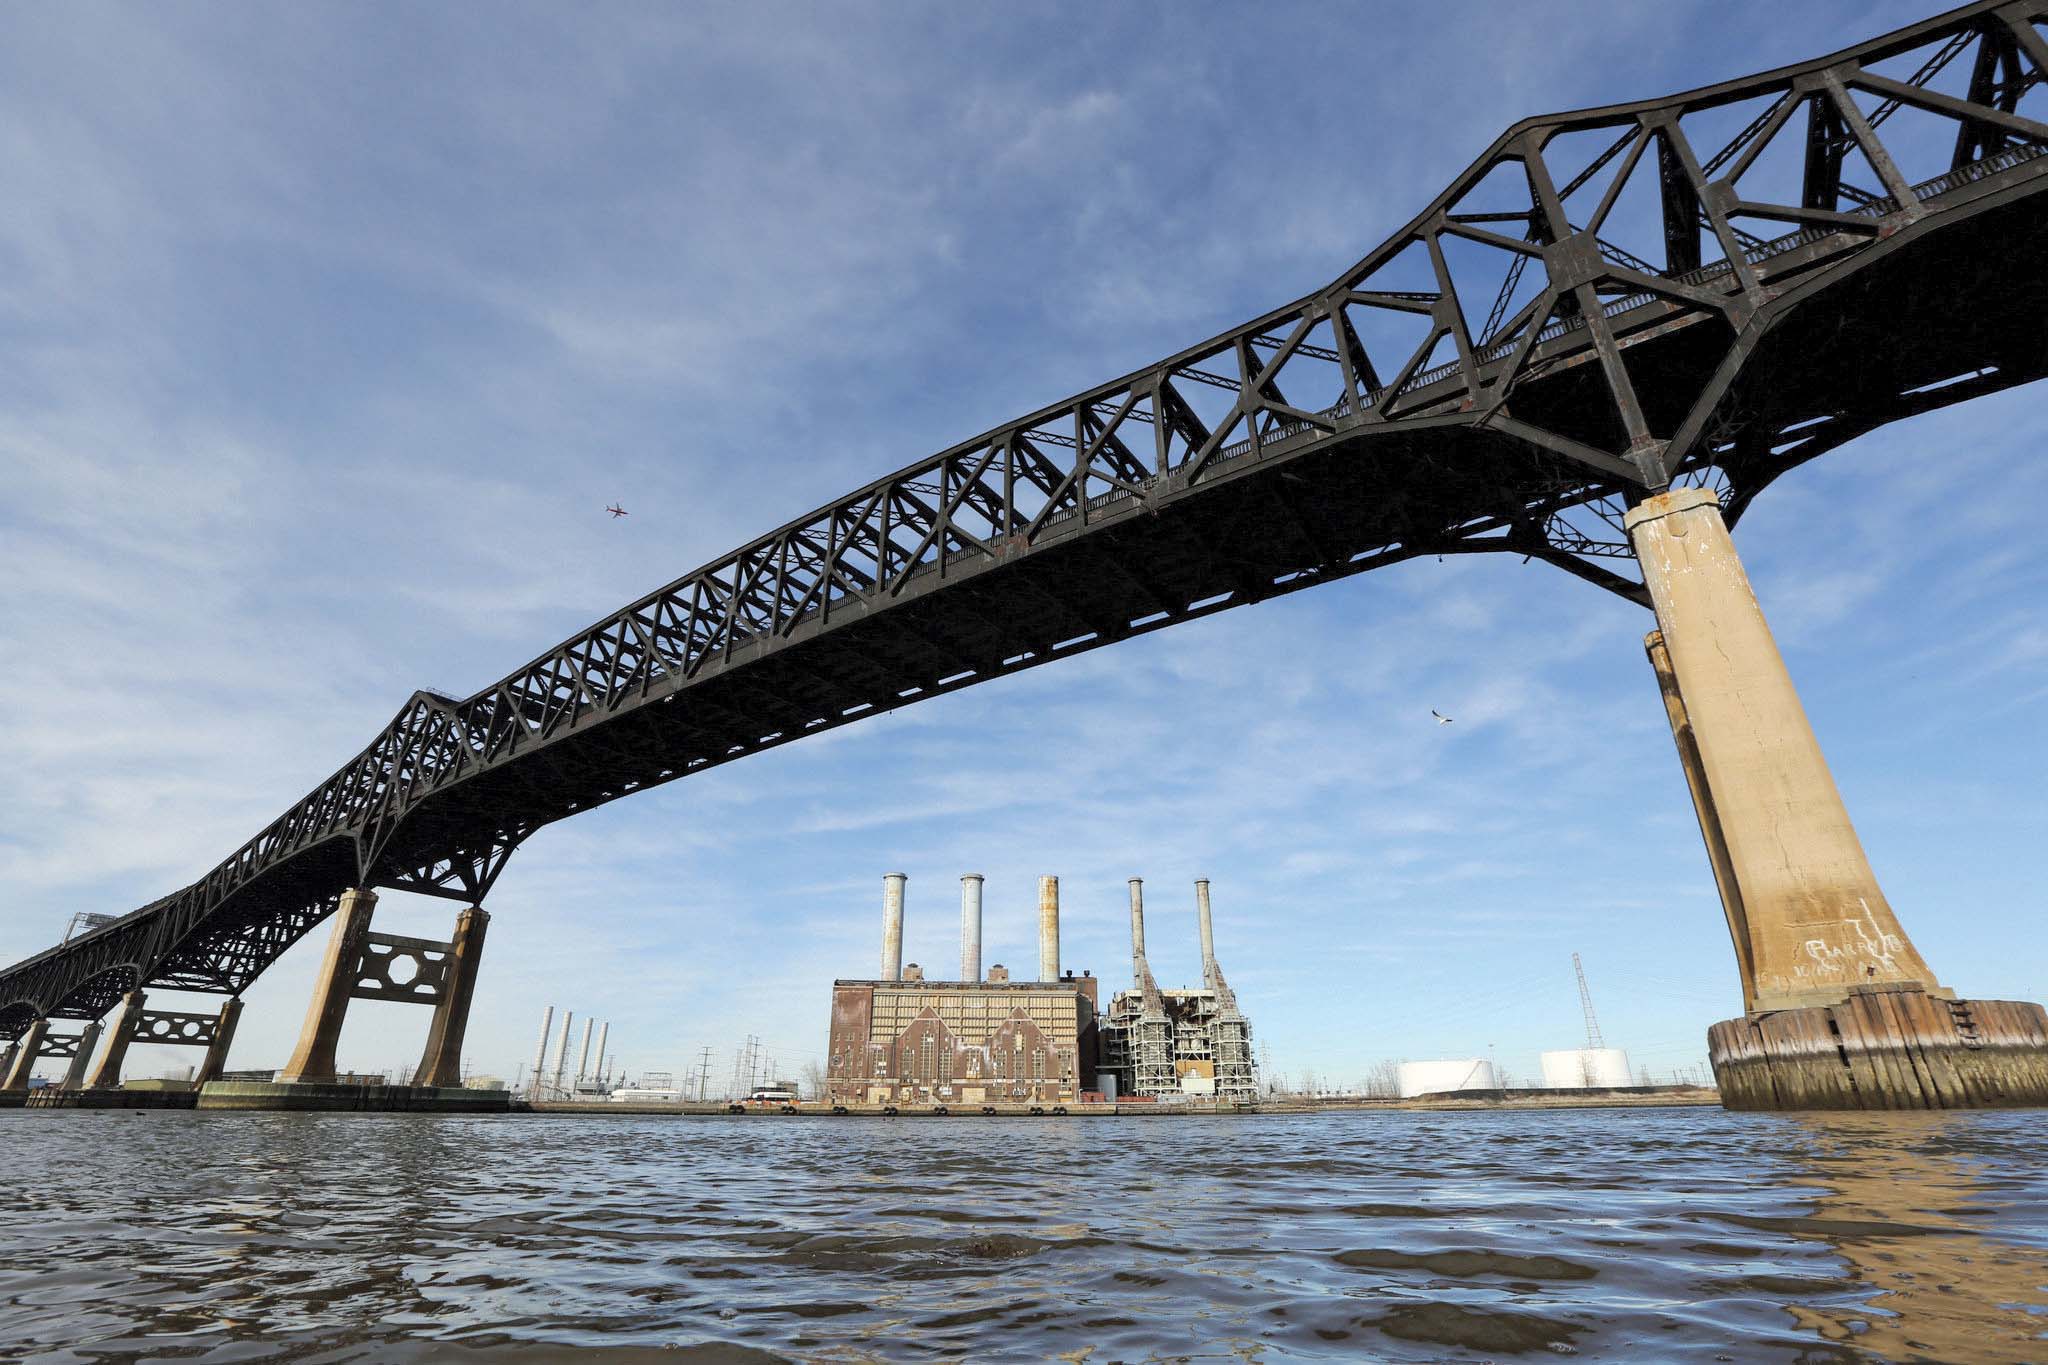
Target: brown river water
1615	1235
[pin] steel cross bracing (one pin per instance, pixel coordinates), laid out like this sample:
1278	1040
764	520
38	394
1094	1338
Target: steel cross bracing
1711	287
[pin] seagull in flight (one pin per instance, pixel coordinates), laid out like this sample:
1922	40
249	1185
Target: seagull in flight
617	511
1441	718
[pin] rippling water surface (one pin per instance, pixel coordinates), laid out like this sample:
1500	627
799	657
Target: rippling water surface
1640	1235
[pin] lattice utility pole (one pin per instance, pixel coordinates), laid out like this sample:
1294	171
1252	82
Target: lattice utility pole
1586	1004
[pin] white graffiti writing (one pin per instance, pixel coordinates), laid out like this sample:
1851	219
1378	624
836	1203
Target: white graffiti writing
1864	950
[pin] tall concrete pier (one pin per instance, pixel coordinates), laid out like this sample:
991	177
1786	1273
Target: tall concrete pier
28	1050
1841	1009
313	1058
441	1061
81	1060
107	1075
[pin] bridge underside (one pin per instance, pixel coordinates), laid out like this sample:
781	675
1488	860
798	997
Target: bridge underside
1296	519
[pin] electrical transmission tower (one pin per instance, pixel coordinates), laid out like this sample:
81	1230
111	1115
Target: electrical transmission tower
1586	1003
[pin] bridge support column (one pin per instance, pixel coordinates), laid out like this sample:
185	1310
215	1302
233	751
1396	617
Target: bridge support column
1842	1011
313	1058
27	1052
441	1062
88	1040
107	1075
223	1038
1703	809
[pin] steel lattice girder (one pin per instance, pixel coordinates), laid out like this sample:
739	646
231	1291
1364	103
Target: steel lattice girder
1309	444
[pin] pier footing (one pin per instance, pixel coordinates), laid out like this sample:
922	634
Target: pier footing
315	1095
115	1097
1886	1047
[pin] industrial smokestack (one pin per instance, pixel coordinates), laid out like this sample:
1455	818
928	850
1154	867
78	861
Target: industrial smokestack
562	1051
583	1062
540	1050
1138	929
1208	931
604	1036
1048	928
892	926
970	927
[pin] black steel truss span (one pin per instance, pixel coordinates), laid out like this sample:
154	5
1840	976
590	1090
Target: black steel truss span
1711	287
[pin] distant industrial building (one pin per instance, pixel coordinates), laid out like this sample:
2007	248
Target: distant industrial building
902	1038
1159	1043
592	1078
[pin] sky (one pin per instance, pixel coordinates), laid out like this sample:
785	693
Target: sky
328	339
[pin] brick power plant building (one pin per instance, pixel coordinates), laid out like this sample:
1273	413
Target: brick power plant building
903	1038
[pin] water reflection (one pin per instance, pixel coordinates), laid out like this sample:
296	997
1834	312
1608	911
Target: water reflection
1934	1231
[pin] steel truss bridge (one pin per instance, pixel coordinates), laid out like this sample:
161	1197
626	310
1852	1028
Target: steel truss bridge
1712	287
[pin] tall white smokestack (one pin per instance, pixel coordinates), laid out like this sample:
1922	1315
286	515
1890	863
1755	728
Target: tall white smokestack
1208	931
604	1036
583	1062
562	1051
540	1050
1048	928
892	926
970	927
1138	929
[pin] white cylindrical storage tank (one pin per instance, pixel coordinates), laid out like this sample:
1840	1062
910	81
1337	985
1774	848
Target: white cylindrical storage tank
1457	1073
1577	1068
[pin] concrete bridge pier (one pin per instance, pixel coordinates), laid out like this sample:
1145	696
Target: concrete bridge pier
312	1061
88	1040
1841	1011
361	965
441	1062
223	1038
107	1075
28	1050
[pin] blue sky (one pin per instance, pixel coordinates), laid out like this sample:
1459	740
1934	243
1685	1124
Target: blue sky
328	340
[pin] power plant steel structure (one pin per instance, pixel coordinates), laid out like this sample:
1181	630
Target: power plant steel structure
1606	313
